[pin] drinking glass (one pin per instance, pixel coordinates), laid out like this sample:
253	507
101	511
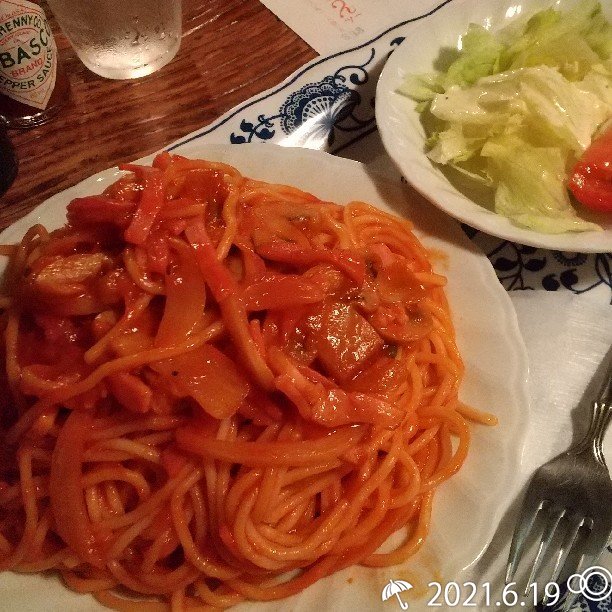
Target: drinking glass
121	39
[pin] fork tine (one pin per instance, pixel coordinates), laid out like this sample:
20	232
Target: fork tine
595	544
530	509
570	599
575	523
589	559
555	513
572	595
585	562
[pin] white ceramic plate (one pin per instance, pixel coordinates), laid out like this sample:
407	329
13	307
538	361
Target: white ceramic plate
468	507
403	135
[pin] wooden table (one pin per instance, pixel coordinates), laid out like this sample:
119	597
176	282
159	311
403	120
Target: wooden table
230	51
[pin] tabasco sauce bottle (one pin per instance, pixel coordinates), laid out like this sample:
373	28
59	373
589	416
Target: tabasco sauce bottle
33	86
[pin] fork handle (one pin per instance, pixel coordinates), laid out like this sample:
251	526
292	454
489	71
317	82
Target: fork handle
601	413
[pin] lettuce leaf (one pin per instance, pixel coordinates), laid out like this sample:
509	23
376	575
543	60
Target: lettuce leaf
530	186
517	108
573	41
480	56
537	101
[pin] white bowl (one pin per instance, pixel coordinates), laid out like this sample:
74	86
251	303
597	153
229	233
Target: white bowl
403	134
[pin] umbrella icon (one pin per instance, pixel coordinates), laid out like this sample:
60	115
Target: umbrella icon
395	587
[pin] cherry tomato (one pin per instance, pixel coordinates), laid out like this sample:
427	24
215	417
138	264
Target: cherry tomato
591	179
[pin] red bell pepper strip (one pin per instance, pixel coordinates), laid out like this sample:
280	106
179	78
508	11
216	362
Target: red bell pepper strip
162	160
351	264
254	266
218	278
92	210
226	292
281	291
158	252
131	392
151	202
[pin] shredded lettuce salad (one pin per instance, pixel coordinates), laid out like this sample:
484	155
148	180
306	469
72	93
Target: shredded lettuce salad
517	108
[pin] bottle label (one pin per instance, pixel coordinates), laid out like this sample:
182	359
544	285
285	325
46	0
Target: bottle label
28	55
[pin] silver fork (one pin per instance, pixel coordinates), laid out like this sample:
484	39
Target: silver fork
573	492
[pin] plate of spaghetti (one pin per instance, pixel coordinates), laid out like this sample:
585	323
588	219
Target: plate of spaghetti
245	374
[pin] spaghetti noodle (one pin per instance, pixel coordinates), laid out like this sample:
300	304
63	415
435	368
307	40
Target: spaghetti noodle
220	389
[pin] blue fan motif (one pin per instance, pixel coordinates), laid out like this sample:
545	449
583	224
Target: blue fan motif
312	115
318	107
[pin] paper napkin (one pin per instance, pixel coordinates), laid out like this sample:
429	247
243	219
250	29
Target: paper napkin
331	25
